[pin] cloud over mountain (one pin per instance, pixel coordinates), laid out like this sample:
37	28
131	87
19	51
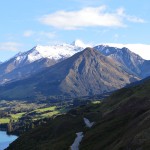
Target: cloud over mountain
88	17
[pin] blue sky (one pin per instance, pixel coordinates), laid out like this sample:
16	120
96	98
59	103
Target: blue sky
25	24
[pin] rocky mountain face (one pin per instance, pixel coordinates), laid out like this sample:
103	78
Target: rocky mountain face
131	61
86	73
38	58
92	73
25	64
146	69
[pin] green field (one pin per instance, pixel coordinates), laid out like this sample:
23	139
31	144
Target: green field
37	114
4	120
52	108
14	117
46	112
96	102
17	116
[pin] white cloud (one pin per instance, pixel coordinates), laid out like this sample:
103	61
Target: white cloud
80	43
141	49
9	46
121	12
88	17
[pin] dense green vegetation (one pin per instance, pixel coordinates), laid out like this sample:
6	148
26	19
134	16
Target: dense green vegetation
60	131
14	110
18	117
4	120
17	121
122	122
36	114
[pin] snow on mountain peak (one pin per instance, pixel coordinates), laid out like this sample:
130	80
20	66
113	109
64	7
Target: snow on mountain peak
57	51
51	52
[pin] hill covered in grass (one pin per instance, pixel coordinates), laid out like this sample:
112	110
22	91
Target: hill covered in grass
122	122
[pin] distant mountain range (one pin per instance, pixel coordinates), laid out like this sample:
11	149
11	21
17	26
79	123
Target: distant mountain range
131	61
70	70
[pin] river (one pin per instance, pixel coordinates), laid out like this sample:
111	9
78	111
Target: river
5	139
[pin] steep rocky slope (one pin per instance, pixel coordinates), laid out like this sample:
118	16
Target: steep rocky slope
84	74
133	62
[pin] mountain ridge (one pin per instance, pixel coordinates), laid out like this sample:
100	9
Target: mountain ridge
86	73
133	62
25	64
21	65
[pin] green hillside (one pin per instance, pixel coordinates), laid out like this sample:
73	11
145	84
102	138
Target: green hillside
122	122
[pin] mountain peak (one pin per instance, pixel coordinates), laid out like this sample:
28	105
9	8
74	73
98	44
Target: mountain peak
89	49
90	52
55	52
84	74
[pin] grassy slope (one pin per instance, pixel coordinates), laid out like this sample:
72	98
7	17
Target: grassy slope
14	117
125	123
59	133
122	123
4	120
17	116
52	136
46	112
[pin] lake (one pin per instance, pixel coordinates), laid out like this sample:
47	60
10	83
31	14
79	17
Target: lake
5	139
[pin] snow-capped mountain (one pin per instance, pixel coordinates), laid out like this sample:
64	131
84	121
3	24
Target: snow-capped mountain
133	62
86	73
55	52
26	63
39	57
